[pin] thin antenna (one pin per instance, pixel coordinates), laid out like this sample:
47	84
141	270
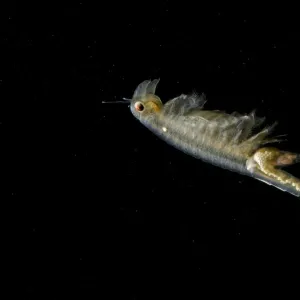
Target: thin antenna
125	100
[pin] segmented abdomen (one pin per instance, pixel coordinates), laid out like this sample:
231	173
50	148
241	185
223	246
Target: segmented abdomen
202	139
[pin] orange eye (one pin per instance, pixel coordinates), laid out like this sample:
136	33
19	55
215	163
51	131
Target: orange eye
139	106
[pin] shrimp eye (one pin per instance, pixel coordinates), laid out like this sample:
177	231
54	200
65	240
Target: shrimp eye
139	106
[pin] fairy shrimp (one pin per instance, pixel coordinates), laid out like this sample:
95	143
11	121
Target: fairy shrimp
222	139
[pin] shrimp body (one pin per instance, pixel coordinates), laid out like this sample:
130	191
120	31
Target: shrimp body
224	140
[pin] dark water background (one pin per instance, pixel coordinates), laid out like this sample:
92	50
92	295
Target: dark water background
99	207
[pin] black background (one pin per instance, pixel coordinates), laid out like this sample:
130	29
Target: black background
101	208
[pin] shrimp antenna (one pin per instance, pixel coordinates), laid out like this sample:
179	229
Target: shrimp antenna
124	100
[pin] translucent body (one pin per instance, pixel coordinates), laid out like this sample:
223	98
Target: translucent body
225	140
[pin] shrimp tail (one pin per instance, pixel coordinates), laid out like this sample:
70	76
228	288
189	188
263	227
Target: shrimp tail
265	166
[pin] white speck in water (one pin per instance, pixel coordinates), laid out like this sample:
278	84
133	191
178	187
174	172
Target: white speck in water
164	129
